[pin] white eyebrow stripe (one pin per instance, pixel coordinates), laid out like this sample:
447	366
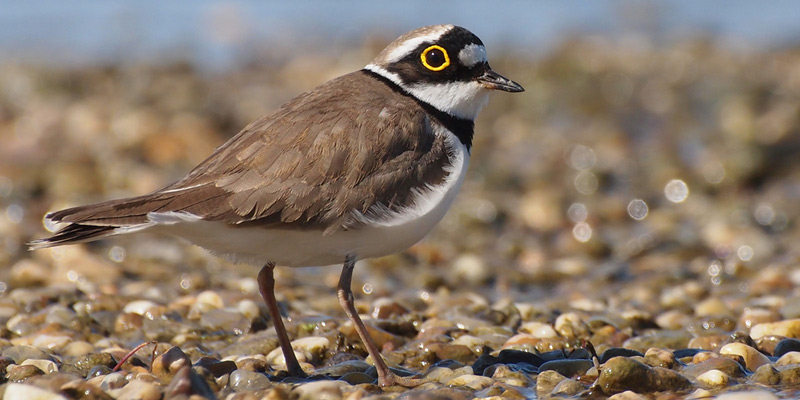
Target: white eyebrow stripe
409	45
472	55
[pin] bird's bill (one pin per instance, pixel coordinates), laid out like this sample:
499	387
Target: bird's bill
493	80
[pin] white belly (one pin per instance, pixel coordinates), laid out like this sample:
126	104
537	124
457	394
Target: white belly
391	233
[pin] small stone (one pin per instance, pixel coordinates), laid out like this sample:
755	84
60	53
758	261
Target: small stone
22	353
447	351
619	352
241	381
753	316
659	358
439	374
21	373
712	306
343	368
77	348
567	387
190	382
385	308
474	382
137	390
790	375
792	357
307	349
766	375
319	390
789	328
80	389
249	309
568	367
627	395
114	380
709	342
27	273
547	381
539	330
139	307
752	357
47	366
210	298
714	378
20	391
748	395
785	346
504	374
517	356
570	325
357	378
660	339
619	374
699	394
724	364
83	364
170	362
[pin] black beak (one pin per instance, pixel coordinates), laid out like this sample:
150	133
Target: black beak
495	81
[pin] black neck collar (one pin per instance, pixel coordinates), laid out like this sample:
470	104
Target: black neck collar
463	128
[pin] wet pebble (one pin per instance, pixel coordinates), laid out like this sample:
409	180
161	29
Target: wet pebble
241	381
21	373
620	374
789	328
567	387
47	366
322	390
766	375
714	379
474	382
137	390
567	367
723	364
752	357
547	381
785	346
22	353
511	376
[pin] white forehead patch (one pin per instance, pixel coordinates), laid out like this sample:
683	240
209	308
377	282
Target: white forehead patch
472	55
409	45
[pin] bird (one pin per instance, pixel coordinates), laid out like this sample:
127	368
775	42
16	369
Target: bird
362	166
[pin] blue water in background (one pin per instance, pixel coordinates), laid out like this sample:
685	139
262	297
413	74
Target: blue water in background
218	33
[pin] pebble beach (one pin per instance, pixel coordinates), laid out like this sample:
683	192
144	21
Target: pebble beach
627	229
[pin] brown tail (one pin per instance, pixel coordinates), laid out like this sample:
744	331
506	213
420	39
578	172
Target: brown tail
96	221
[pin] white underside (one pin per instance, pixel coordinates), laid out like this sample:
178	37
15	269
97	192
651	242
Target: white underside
382	232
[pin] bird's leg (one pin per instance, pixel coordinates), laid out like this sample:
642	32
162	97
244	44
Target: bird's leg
266	285
385	376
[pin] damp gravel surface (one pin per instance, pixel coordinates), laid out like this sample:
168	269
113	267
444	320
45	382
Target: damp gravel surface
628	229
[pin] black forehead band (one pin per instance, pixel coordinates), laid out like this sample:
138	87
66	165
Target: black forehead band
454	40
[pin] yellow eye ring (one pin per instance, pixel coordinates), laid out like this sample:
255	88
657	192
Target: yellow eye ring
424	58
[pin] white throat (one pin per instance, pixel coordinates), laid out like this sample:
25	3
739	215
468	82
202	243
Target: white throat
459	99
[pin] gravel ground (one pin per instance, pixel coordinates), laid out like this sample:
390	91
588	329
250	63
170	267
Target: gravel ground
628	228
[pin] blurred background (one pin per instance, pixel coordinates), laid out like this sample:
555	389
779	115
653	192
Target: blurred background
650	164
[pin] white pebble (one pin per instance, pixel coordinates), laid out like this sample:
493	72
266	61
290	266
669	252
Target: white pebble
30	392
714	377
47	366
249	309
211	298
139	307
474	382
539	330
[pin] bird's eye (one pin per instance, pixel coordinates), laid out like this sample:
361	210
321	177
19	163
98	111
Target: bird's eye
435	58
